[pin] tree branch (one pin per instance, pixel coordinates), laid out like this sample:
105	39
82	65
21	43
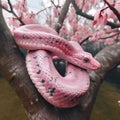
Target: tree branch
13	12
13	68
115	11
90	17
62	15
56	6
43	10
108	57
110	36
84	40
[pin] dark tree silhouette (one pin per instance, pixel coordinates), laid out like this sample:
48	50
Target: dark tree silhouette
12	66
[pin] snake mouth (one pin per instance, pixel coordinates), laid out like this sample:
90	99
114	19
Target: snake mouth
83	69
96	65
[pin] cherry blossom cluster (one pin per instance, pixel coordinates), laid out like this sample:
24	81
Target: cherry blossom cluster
106	13
73	29
20	14
85	5
108	36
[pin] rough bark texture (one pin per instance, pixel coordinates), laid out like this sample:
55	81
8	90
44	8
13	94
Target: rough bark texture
12	66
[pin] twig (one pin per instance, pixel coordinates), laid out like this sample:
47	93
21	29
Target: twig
56	6
110	36
10	5
43	10
84	40
5	8
12	11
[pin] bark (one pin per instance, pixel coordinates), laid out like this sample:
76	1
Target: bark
62	15
12	66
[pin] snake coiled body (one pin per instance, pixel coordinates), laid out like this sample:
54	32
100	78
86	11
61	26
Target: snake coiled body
43	44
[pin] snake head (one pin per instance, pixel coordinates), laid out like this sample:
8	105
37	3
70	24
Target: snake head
86	61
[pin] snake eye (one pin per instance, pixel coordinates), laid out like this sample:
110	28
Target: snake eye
86	59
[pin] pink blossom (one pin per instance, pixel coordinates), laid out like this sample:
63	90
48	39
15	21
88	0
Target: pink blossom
21	5
97	35
55	11
109	12
29	18
92	38
70	33
109	41
100	18
106	13
85	30
86	6
109	30
5	5
111	1
14	22
63	30
17	5
21	10
94	2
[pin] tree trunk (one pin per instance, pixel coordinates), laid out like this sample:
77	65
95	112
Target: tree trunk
12	66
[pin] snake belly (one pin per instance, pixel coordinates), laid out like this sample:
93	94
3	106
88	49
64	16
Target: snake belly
43	42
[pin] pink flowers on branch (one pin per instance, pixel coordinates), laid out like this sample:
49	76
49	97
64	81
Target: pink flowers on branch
85	5
20	14
109	11
74	27
108	36
106	13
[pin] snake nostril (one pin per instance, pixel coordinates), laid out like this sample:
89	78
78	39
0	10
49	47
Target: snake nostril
86	59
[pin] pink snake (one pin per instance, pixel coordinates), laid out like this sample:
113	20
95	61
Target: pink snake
44	43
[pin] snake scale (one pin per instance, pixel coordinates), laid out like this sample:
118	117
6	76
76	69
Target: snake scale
44	44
